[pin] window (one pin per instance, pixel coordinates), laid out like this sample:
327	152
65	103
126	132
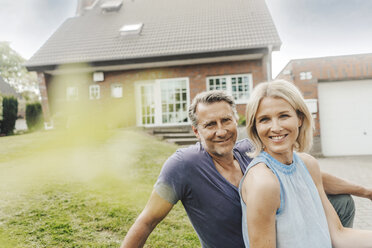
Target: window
116	90
239	86
306	75
131	29
112	5
94	92
72	93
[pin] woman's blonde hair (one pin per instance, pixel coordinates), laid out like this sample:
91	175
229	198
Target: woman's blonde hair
290	93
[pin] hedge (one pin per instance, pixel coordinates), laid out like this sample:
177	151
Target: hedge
10	110
34	116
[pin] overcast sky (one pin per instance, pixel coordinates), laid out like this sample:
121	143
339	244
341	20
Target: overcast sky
307	28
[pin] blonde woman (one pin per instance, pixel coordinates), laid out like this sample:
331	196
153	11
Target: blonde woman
287	204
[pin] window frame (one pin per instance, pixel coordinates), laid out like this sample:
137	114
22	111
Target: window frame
112	87
92	86
74	96
229	86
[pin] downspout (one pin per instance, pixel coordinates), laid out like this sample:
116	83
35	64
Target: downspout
269	63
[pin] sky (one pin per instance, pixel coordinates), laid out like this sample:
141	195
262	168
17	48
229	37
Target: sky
307	28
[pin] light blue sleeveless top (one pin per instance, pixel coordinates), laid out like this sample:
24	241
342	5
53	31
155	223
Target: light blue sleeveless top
300	220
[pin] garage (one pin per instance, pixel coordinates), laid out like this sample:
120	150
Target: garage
345	109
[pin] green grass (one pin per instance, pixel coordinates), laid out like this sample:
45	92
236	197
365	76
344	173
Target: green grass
82	189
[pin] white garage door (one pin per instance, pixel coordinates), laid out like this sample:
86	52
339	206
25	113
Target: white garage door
345	110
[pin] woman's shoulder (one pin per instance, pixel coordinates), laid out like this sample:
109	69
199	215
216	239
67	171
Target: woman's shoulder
311	164
262	178
261	186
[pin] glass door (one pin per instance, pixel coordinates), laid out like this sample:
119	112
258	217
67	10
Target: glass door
174	99
147	104
162	102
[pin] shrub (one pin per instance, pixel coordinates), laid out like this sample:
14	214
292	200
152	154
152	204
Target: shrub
1	109
34	117
10	109
241	121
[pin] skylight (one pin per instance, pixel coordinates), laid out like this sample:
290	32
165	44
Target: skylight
112	5
128	29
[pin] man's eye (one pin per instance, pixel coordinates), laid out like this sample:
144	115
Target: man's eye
209	124
226	120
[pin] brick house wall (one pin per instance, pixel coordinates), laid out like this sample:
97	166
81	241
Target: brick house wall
125	106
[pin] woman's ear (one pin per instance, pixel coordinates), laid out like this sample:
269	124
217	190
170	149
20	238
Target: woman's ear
300	117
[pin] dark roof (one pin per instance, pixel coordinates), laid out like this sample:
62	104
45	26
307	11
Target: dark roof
6	89
170	27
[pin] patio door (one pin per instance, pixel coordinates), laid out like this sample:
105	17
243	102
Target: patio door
162	102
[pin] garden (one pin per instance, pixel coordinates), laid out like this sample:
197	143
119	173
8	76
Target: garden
83	188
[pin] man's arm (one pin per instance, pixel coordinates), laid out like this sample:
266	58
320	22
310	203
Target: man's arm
341	237
155	211
334	185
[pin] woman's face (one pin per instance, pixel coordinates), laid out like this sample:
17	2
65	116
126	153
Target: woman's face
277	126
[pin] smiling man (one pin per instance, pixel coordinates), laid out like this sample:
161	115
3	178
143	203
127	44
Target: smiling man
205	178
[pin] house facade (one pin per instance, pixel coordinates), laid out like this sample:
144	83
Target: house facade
338	91
145	60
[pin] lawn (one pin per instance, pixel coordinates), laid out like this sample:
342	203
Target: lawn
82	189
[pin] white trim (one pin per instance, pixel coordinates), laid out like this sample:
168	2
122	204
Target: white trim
112	88
64	70
94	89
157	101
229	85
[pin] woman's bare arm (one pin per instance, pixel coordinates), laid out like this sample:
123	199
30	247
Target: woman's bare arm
261	193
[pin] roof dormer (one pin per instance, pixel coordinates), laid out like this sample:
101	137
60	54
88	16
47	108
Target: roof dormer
131	29
111	5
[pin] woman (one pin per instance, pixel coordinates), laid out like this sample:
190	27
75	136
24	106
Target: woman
287	204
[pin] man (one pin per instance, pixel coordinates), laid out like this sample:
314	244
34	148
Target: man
206	176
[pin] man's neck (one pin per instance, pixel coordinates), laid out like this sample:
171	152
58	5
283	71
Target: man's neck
229	168
225	161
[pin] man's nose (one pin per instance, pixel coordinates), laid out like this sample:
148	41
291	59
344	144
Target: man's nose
221	130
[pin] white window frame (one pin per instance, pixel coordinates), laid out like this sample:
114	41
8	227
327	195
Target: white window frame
305	75
72	93
116	95
94	89
157	102
229	88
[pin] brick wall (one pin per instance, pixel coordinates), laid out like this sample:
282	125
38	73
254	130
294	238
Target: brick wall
197	75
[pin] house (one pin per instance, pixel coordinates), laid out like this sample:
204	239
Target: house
7	90
338	90
151	58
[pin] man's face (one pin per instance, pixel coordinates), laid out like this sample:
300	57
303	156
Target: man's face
217	128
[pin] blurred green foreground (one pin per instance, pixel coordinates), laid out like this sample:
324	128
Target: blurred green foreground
82	189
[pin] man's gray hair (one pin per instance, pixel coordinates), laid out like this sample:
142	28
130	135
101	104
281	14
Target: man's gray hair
209	97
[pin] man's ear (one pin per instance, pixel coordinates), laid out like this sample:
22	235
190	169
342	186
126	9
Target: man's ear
195	130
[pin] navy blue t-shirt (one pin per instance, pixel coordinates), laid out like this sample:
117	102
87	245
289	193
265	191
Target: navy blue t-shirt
211	202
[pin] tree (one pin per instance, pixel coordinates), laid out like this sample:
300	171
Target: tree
13	72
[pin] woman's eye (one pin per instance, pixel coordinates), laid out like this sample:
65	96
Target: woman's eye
284	116
263	120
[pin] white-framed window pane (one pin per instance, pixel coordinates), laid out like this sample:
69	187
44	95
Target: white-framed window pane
72	93
238	86
116	90
94	92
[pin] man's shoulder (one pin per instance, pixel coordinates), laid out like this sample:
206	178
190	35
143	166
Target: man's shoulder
243	146
191	153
